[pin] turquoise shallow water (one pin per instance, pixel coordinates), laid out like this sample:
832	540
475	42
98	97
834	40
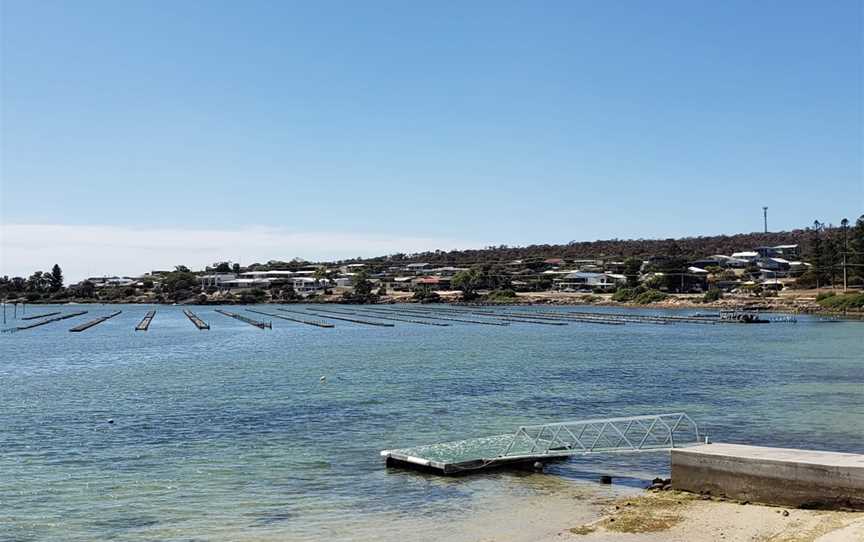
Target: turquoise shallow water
228	434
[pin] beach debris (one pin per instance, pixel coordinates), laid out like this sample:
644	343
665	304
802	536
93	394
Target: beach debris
661	484
785	513
538	466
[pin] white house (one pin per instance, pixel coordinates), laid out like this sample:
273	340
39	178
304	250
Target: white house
584	280
307	285
344	282
101	282
215	279
245	283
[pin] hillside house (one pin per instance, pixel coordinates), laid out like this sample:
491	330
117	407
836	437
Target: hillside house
779	251
402	284
417	268
431	283
748	255
587	281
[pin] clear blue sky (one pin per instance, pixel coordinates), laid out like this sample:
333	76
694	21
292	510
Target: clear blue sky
500	122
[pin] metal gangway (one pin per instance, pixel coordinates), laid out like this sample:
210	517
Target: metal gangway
551	441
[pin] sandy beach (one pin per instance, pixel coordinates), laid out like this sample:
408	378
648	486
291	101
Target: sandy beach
673	515
574	511
652	516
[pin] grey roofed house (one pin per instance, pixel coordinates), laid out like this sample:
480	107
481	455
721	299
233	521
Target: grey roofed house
774	264
711	261
446	271
779	251
773	267
720	260
420	268
748	255
729	261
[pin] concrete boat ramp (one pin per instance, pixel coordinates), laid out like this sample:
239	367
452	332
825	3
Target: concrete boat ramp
781	476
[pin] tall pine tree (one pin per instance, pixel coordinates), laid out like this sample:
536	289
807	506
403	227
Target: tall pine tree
855	254
55	279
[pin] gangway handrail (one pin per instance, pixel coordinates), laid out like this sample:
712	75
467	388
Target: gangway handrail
553	441
619	434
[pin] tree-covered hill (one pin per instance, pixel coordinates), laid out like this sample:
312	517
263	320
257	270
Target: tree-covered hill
687	247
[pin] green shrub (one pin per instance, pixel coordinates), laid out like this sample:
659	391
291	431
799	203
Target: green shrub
625	295
843	302
650	296
500	296
253	296
824	295
713	294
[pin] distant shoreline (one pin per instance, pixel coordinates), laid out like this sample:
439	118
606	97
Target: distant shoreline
802	302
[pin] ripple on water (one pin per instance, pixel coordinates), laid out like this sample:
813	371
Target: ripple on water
216	433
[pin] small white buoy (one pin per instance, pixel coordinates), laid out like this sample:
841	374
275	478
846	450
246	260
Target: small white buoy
323	379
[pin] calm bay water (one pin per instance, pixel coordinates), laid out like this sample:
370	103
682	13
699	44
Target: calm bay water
228	434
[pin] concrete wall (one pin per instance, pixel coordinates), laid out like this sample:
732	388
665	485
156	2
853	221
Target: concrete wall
780	476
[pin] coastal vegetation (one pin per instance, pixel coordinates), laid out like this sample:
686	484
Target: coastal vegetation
714	294
468	281
426	295
500	296
361	291
639	295
635	272
650	296
841	302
